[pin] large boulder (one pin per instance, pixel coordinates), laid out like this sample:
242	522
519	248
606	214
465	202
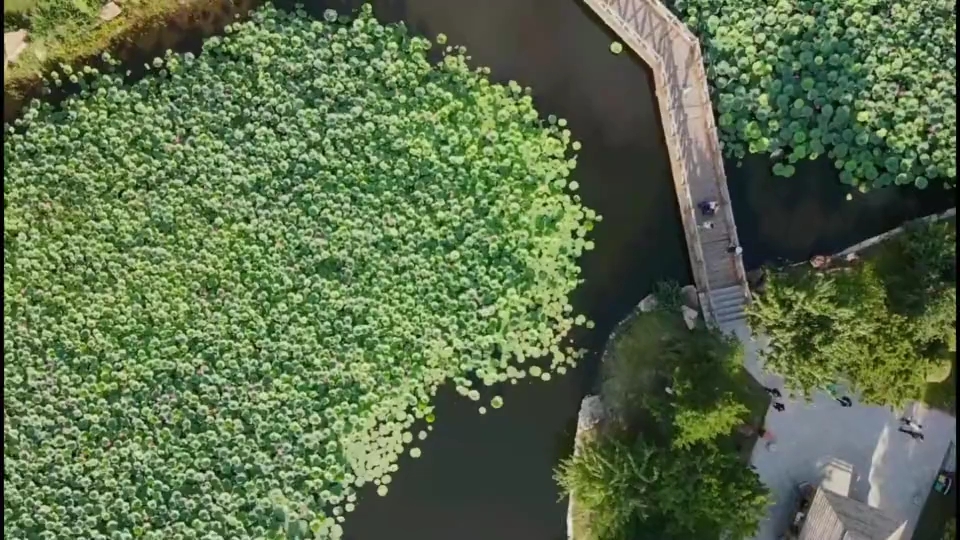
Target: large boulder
690	317
14	43
592	412
648	304
109	11
690	297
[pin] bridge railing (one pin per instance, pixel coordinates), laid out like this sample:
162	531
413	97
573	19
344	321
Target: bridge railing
671	105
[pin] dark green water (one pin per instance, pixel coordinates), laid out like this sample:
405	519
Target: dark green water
490	477
796	218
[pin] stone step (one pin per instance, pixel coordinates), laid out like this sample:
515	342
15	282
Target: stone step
725	311
734	291
728	303
729	326
721	280
719	307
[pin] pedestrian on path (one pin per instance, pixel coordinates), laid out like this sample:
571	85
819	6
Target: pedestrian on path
708	208
779	407
915	434
707	225
772	391
735	249
911	423
845	401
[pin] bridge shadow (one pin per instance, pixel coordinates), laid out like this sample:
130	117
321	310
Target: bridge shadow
673	54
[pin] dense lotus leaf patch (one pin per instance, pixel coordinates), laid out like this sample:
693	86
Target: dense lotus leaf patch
231	287
870	83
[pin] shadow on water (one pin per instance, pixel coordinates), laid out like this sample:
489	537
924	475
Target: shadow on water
489	477
793	219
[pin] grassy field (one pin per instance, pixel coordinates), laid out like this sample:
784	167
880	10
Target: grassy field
64	31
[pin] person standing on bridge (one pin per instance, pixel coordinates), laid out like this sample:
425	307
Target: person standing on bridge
708	208
735	249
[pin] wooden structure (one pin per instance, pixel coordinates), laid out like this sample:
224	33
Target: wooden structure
835	517
672	52
828	513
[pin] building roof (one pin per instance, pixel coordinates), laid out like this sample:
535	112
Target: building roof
834	517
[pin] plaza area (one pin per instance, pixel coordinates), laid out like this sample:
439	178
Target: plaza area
890	470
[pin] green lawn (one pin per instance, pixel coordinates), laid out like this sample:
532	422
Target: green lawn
64	31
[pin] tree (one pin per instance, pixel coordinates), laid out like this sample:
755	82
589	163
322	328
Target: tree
710	494
644	490
919	266
950	530
612	482
660	470
701	425
919	269
656	352
705	402
836	325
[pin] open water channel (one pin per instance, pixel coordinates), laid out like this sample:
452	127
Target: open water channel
489	477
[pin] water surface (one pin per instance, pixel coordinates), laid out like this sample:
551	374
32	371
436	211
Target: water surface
490	477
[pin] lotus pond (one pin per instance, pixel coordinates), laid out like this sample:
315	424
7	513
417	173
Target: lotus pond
122	228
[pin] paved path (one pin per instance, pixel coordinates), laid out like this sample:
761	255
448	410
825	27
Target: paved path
891	471
672	52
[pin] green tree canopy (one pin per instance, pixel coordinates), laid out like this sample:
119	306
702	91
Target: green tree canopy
919	271
662	468
880	324
676	384
644	491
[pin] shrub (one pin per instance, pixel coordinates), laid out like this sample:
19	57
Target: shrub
231	287
825	327
677	386
870	84
642	490
611	482
950	530
669	296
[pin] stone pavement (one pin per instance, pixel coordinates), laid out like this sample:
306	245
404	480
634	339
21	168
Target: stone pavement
891	471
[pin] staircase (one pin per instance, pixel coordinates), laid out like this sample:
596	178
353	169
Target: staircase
729	304
673	54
